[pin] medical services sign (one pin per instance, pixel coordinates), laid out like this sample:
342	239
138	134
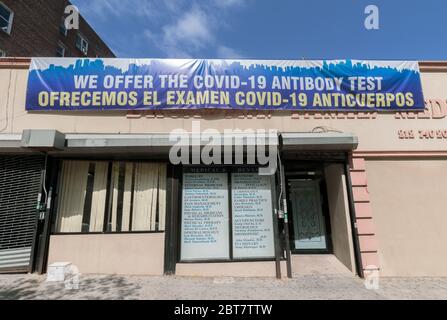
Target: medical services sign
58	84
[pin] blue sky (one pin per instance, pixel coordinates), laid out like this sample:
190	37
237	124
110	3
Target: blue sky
269	29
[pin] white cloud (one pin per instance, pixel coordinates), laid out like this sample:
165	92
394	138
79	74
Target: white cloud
174	5
224	52
178	28
191	29
190	33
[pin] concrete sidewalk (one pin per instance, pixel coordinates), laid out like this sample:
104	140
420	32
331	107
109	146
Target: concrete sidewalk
301	287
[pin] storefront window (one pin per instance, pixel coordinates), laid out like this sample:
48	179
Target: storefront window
105	196
226	215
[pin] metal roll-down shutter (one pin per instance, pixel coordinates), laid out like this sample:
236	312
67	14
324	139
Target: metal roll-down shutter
19	187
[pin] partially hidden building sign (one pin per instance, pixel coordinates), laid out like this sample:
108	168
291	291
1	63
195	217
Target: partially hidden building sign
58	84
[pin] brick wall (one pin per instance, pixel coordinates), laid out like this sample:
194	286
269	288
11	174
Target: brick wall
35	31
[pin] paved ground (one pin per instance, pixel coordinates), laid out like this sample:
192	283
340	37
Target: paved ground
301	287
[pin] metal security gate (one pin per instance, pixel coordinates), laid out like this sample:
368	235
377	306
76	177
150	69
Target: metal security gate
20	179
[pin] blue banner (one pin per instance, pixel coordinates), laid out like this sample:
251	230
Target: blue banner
57	84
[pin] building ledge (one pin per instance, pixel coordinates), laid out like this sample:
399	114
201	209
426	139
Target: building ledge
15	63
160	143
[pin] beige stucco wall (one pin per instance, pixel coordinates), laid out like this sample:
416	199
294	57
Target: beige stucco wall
375	131
434	85
339	215
135	254
409	201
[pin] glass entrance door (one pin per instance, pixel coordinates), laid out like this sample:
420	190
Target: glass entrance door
308	221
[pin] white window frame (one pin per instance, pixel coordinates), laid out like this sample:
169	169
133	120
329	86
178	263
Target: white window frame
11	18
2	53
60	44
84	43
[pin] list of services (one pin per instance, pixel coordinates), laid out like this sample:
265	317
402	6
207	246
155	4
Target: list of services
205	216
252	216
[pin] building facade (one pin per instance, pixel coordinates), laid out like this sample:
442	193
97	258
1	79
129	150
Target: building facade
368	188
23	33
